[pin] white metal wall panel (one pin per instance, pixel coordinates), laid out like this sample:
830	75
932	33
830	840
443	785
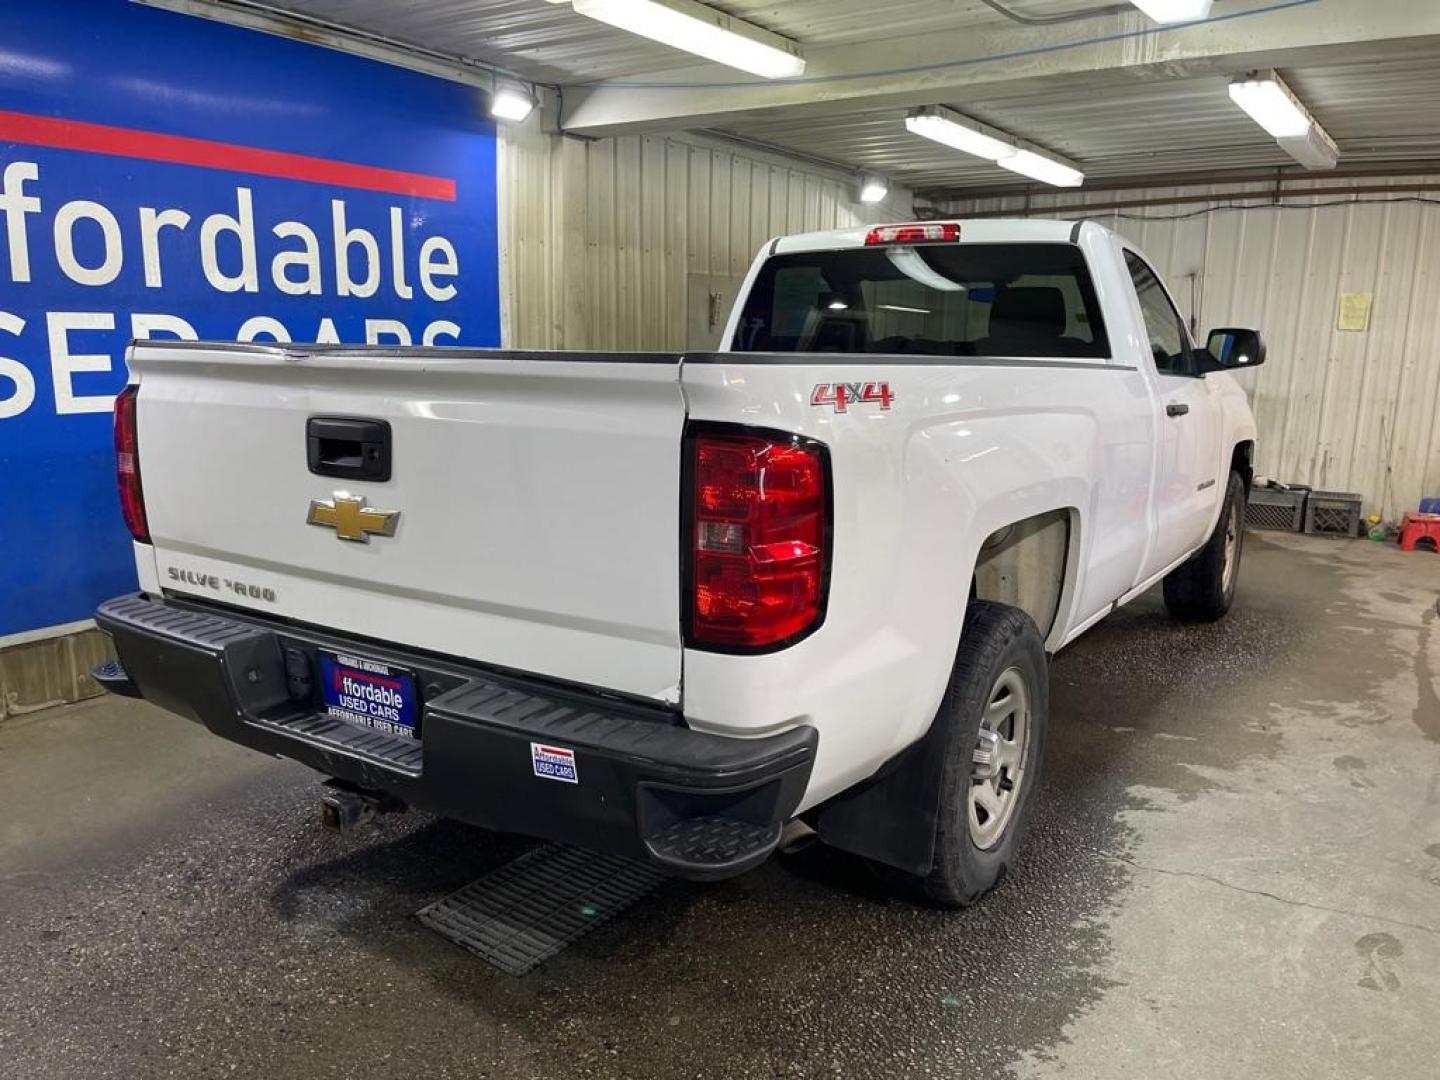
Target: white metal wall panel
598	239
1342	410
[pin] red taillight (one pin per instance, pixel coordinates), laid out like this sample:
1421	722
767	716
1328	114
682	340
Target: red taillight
127	465
758	538
928	232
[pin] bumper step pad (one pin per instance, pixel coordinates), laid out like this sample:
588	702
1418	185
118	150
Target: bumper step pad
112	676
520	915
393	752
714	841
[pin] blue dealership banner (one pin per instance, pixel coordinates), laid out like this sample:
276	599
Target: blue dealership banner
163	175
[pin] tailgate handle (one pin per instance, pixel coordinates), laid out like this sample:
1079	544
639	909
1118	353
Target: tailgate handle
348	447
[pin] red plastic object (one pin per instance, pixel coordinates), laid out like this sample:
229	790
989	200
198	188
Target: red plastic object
759	538
1416	527
127	465
928	232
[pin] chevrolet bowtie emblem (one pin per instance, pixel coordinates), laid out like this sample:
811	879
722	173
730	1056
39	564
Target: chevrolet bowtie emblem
351	518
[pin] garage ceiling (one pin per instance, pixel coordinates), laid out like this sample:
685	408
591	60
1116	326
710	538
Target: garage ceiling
550	43
1119	128
1111	91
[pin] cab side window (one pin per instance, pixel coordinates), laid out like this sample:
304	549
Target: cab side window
1163	325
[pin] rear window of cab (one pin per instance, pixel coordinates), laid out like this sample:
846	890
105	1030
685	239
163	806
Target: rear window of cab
1004	300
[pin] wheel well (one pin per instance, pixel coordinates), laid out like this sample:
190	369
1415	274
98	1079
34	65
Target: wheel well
1242	460
1023	565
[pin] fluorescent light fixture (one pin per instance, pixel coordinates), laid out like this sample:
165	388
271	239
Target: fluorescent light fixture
1315	149
904	308
1174	11
873	189
1045	169
1274	106
958	132
704	31
918	270
949	128
1271	105
510	103
838	305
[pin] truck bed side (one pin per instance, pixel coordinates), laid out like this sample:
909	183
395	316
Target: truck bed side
964	448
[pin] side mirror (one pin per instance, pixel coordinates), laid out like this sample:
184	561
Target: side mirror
1233	348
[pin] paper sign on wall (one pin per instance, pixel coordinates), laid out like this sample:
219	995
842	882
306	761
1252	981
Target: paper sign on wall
1355	310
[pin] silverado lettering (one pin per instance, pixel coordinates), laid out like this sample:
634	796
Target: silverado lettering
217	583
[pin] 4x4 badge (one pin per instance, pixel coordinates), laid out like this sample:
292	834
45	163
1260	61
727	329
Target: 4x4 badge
842	395
351	518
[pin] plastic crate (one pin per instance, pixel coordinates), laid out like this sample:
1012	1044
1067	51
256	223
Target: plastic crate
1276	508
1333	513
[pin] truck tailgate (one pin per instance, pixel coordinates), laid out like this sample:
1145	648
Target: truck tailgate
537	499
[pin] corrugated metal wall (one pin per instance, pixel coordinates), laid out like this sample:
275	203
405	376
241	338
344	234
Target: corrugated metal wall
1347	410
600	240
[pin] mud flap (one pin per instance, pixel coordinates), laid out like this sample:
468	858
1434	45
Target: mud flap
891	817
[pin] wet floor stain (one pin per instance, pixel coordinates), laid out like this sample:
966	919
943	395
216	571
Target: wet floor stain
1354	768
1432	873
1427	705
1378	953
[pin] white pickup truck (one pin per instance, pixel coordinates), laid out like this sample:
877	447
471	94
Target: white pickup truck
663	604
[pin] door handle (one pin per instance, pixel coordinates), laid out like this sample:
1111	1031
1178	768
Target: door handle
348	448
1176	408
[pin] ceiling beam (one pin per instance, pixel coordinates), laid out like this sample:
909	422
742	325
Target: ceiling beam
940	68
1402	190
1274	178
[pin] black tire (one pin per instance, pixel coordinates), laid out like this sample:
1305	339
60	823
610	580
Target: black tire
997	640
1202	588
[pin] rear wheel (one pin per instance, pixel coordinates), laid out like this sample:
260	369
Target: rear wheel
1202	588
994	711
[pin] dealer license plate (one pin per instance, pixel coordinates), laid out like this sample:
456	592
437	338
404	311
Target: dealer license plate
370	694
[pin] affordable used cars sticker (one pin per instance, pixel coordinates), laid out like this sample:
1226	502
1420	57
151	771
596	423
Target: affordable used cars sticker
553	763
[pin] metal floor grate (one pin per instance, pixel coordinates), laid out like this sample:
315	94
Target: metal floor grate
525	912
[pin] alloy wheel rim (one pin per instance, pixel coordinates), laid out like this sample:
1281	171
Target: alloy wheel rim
1232	548
999	760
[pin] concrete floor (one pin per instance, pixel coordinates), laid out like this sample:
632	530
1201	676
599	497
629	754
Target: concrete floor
1234	870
